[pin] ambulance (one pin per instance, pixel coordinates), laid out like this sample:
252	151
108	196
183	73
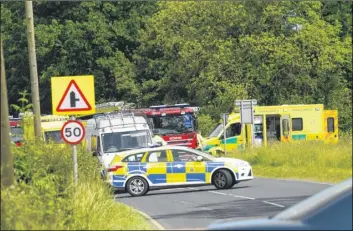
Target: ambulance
50	128
283	123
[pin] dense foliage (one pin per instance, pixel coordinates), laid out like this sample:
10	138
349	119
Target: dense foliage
206	53
43	197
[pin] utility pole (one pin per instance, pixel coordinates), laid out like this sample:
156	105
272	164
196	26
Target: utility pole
33	67
7	172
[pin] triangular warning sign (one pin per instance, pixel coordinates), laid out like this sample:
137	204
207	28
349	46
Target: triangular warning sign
73	99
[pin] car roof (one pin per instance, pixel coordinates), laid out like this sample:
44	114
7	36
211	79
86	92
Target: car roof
134	151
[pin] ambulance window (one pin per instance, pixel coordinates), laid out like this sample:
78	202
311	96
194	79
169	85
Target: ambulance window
330	124
297	124
234	130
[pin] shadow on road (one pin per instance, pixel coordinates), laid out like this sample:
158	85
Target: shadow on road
159	192
235	208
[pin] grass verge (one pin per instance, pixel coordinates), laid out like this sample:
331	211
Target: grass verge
43	197
302	160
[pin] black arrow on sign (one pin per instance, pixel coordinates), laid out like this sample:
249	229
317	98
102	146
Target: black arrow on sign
73	99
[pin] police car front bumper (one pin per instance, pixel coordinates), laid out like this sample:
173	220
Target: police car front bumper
245	173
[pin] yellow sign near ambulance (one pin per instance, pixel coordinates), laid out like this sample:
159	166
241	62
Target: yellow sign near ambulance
73	95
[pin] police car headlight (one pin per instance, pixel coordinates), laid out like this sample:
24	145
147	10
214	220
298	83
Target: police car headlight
243	163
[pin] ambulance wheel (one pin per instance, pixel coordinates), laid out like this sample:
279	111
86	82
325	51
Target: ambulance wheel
222	179
137	186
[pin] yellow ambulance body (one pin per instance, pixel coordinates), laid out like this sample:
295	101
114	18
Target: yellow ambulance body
50	128
285	123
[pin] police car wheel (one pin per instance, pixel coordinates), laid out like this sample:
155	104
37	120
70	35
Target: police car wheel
137	186
222	179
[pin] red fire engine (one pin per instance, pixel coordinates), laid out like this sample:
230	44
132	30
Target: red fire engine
176	124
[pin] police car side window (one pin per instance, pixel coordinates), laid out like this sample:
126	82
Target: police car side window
133	158
157	156
184	156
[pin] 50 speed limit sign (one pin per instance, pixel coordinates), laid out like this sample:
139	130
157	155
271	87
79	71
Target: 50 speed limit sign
73	132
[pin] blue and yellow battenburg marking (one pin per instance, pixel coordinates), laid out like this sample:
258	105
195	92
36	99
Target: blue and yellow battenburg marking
168	172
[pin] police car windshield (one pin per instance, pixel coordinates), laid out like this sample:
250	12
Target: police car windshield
53	136
173	124
215	132
122	141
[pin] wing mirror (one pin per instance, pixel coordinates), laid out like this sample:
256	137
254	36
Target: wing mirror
199	158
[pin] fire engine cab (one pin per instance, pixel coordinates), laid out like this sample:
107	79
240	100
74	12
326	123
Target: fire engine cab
176	124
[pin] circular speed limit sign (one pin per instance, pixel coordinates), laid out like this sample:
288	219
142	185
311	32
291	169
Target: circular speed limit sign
73	132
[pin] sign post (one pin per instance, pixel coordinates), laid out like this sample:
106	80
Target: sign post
247	114
73	95
225	119
73	133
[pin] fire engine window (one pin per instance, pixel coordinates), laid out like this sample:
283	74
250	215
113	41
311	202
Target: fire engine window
330	124
297	124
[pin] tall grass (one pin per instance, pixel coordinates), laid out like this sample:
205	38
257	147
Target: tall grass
302	160
44	197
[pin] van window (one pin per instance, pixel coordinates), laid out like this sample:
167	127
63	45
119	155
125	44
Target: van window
285	127
297	124
330	124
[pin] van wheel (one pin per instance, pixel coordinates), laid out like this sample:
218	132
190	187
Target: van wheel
222	179
137	186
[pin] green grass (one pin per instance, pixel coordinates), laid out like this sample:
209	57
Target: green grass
302	160
44	198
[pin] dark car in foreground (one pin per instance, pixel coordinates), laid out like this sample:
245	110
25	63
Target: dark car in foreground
330	209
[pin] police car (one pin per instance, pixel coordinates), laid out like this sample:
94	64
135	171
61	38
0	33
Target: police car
137	171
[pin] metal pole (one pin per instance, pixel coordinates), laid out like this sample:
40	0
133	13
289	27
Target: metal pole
243	130
74	157
7	171
224	134
252	124
33	68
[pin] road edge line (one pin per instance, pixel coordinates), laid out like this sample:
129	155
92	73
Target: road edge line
153	222
294	180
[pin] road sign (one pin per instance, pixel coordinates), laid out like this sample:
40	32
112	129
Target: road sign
246	110
73	95
73	132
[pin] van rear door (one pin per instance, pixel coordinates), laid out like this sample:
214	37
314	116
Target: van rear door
331	126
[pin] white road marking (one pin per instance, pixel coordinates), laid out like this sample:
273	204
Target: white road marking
220	193
170	189
267	202
249	198
194	188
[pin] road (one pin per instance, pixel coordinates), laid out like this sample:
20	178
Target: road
197	207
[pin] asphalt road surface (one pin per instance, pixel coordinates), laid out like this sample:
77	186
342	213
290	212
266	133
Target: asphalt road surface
197	207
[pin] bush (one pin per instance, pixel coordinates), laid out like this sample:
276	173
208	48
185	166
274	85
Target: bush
302	160
206	124
44	196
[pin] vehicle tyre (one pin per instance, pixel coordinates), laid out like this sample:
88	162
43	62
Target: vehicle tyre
222	179
137	186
